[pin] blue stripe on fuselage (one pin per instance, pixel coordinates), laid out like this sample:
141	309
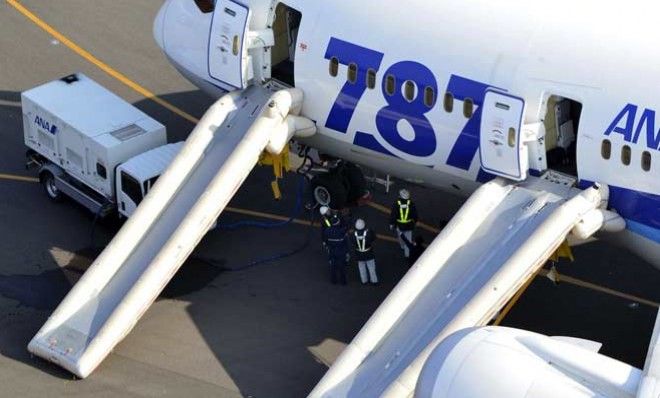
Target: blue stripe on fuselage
643	230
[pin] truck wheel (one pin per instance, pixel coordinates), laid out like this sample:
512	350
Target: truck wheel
329	191
48	181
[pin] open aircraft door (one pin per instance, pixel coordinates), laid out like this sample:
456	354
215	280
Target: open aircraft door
501	147
227	48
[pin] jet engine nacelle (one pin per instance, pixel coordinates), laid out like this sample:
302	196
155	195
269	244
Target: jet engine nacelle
512	363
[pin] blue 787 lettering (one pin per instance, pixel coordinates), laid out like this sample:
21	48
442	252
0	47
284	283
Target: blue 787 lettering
398	108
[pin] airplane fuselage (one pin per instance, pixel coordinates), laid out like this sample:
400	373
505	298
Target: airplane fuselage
400	87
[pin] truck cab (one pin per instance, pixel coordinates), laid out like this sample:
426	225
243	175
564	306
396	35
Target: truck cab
136	176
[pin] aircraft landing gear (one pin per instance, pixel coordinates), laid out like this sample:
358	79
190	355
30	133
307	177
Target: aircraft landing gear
341	186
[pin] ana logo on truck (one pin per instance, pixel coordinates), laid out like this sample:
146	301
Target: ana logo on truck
51	128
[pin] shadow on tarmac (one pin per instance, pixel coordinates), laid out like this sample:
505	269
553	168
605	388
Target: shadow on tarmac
44	291
10	96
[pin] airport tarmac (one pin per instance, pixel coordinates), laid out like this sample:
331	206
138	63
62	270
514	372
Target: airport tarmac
220	330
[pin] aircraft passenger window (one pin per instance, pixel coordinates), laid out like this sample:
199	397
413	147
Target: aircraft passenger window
646	161
468	107
409	90
625	155
429	97
334	66
371	79
606	149
352	72
449	102
390	85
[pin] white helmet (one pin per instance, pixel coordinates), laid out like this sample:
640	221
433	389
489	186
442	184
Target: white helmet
359	224
404	194
324	210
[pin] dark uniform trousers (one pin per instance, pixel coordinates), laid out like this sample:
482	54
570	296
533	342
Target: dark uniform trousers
337	242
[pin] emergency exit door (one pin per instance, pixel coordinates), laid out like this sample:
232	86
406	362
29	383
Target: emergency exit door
227	52
501	148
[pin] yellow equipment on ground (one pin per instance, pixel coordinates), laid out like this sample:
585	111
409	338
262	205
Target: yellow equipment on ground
281	164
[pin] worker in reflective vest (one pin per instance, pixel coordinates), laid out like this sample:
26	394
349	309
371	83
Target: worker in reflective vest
403	217
363	239
325	223
325	216
336	238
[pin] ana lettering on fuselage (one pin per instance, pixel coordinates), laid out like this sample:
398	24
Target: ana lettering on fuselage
633	129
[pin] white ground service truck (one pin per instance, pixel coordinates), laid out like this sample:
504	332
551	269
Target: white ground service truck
93	146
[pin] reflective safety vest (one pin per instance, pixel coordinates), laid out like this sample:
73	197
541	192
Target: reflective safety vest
361	242
404	211
326	221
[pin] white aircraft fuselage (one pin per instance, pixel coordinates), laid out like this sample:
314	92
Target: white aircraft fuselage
400	87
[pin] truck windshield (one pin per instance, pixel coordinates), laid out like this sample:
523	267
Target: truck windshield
149	184
131	187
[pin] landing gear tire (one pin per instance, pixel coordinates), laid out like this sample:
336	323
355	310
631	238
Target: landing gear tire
322	196
48	182
328	190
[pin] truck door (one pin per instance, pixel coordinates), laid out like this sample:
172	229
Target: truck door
501	148
227	48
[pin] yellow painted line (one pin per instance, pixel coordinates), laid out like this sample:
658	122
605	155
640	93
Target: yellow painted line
13	177
592	286
386	210
100	64
575	282
379	207
276	217
236	210
10	103
387	238
260	214
505	311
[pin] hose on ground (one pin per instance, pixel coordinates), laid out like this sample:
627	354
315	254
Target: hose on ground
297	211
